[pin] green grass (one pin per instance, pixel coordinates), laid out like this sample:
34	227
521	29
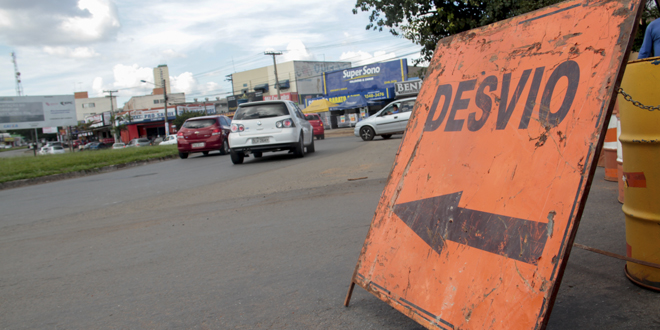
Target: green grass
12	148
18	168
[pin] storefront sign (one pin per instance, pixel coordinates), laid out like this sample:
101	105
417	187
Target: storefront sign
49	130
410	87
372	95
476	222
365	78
18	112
292	96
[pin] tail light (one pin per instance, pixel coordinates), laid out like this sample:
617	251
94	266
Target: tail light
179	135
237	128
286	123
216	131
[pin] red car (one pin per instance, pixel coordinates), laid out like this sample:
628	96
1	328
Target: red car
204	134
317	124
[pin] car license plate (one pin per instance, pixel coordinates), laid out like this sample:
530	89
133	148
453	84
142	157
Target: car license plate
198	145
260	140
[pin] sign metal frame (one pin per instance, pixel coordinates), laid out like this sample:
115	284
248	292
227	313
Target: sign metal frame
476	223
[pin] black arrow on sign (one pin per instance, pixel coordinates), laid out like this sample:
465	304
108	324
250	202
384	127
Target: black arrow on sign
438	219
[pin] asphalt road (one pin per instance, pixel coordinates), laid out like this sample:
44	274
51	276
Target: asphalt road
270	244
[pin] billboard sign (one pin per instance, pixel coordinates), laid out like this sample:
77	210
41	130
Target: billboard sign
19	112
364	78
476	222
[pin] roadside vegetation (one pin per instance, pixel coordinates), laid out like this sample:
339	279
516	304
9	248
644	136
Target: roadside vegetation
28	167
12	148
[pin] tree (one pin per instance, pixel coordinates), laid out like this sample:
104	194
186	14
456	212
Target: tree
426	22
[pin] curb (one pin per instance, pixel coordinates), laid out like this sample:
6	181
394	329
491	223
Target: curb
339	132
77	174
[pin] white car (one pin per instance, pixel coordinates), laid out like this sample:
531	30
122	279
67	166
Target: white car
51	150
119	145
392	119
259	127
169	140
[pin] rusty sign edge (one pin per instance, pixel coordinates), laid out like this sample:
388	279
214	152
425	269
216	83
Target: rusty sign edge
544	315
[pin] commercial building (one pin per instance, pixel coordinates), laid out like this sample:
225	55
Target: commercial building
144	116
86	105
299	80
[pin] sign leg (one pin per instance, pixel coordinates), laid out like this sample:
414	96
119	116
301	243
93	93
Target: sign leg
350	292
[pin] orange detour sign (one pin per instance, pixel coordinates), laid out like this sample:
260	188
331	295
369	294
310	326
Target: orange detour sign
477	219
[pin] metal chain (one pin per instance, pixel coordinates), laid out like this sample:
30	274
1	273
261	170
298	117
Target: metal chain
637	103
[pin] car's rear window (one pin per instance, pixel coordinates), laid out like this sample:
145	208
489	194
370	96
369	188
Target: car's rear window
200	123
261	111
143	140
312	117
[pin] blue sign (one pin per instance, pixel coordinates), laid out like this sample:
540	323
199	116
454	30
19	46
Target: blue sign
365	78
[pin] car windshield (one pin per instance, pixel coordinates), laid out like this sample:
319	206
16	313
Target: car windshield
201	123
58	148
261	111
312	117
143	140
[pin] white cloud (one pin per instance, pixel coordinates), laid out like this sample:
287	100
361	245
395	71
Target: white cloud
186	83
56	23
171	53
296	50
103	18
76	53
360	57
97	86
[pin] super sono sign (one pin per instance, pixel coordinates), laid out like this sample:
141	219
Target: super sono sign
474	227
364	78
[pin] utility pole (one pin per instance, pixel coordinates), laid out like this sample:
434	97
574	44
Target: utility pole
112	114
230	77
277	82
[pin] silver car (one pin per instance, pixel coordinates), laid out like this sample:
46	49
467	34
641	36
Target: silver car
139	142
392	119
259	127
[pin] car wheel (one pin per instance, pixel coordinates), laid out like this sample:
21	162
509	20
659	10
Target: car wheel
257	154
206	153
183	155
386	136
310	148
300	148
236	157
225	148
367	133
323	136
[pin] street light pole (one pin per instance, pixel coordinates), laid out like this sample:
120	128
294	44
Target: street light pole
167	124
167	128
277	82
112	115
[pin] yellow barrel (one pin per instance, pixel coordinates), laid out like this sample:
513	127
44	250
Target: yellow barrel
609	149
640	139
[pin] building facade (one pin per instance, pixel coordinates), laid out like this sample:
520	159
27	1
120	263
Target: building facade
86	105
299	80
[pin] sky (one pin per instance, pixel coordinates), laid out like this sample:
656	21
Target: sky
68	46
